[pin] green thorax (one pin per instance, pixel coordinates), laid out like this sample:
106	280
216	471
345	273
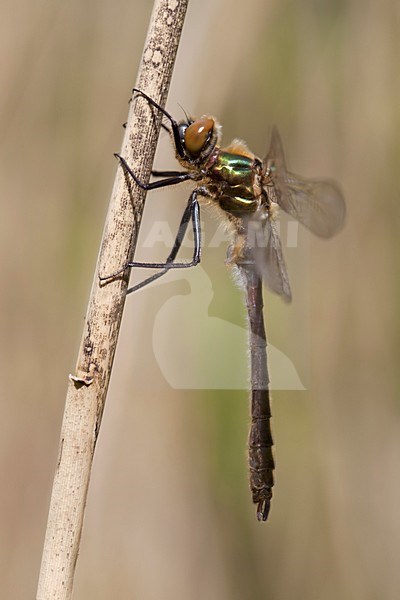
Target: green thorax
237	172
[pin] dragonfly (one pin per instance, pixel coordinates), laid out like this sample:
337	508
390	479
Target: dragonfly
247	193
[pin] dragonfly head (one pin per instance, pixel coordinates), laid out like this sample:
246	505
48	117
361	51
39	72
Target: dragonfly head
198	138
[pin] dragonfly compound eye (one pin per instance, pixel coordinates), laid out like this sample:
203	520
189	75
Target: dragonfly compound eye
197	135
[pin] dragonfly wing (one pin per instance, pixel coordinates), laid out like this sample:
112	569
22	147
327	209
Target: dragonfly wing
317	204
270	262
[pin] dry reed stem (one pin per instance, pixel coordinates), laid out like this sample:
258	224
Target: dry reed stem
87	389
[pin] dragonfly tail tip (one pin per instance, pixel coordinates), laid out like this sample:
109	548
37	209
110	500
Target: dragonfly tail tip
263	510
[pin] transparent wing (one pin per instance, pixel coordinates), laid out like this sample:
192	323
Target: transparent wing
317	204
264	240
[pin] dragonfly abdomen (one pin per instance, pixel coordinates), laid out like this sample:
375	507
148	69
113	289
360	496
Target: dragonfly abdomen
261	460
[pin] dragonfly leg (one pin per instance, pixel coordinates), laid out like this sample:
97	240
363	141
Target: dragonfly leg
178	177
174	125
192	212
167	173
154	103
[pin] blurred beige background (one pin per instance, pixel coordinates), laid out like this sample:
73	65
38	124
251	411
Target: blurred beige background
169	513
